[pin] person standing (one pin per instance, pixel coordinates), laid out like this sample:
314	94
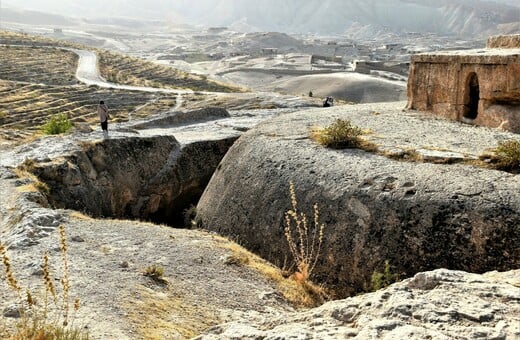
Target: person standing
103	117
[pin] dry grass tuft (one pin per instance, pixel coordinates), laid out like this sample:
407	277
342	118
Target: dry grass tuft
35	185
300	294
341	134
407	155
155	272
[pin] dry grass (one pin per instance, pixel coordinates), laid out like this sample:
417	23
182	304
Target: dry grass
406	155
155	272
38	65
301	294
162	314
80	216
128	70
34	185
41	319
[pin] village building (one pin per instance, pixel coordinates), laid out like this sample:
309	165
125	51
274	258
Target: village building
480	86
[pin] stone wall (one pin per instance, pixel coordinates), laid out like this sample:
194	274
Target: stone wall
481	87
504	41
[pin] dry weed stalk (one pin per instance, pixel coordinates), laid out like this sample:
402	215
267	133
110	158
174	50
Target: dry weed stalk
9	275
65	282
304	242
49	285
35	322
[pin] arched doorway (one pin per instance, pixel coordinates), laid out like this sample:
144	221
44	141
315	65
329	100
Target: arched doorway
472	97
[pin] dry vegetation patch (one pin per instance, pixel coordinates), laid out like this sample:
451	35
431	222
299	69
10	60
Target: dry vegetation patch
163	313
301	294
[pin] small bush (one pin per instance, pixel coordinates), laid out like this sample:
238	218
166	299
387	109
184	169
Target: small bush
384	279
154	272
339	135
58	124
508	155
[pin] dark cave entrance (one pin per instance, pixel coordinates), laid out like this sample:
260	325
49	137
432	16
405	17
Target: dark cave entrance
472	96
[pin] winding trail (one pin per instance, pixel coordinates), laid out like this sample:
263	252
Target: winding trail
88	73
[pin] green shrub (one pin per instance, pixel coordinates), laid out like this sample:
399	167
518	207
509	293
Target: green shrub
339	135
384	279
508	155
58	124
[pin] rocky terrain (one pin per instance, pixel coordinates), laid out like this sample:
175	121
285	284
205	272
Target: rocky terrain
418	203
423	201
440	304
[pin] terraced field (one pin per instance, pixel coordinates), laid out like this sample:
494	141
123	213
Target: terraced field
25	107
121	69
37	82
32	64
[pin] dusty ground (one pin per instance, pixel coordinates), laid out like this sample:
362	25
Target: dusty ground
202	283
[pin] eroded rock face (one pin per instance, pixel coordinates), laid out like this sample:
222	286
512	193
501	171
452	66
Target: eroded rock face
441	304
418	216
152	178
476	86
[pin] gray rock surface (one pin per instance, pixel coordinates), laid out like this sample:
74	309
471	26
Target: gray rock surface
441	304
417	215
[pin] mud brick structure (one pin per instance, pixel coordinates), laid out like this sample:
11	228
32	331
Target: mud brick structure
479	86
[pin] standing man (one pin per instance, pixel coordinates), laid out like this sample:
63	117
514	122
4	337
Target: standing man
103	117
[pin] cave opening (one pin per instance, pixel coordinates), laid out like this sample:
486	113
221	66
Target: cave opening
472	97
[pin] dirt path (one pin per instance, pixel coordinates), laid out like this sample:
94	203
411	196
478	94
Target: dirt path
88	73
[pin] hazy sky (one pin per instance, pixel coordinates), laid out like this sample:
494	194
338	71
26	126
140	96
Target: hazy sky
163	9
322	16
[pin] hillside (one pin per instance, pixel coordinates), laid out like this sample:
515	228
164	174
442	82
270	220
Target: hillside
459	17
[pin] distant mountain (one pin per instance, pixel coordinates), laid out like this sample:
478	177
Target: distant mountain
474	18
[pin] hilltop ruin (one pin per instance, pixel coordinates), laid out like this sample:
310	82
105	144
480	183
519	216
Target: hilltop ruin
480	86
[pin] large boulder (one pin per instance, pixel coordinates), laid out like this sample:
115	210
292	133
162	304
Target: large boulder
416	215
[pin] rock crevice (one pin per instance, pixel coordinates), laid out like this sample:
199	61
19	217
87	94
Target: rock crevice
149	178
